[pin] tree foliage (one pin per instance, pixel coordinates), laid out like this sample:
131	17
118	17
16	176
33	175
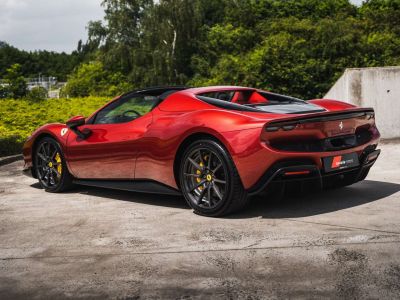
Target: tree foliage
299	47
92	79
40	62
14	83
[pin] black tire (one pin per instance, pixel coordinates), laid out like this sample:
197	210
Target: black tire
209	180
50	167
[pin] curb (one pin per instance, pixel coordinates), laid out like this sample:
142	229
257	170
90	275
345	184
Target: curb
10	159
390	141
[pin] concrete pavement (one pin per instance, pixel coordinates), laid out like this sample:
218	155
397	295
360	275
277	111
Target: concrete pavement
97	243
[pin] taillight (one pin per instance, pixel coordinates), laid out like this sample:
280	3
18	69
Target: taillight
292	173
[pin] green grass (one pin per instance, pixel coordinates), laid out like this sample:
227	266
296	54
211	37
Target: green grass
19	118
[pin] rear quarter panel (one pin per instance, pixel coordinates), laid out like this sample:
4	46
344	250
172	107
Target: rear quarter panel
239	134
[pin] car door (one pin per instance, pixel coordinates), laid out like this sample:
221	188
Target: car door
111	149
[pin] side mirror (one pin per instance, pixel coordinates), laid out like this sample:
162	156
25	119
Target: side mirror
74	123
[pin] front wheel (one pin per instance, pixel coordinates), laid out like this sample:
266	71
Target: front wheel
209	180
50	166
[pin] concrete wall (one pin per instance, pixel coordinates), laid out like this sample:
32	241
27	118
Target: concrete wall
373	87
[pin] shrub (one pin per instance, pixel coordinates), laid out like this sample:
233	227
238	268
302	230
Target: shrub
5	91
16	82
19	118
37	94
10	145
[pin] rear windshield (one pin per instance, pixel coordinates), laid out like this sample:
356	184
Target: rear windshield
259	101
250	97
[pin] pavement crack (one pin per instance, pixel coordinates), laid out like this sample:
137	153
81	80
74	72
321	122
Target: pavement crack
324	224
196	251
342	226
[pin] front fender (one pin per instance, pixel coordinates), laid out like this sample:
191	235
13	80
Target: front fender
57	131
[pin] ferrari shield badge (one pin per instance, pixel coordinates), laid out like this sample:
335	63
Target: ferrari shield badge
64	131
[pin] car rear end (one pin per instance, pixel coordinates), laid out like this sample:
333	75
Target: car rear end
317	151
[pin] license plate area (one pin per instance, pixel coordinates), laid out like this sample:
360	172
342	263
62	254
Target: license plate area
340	162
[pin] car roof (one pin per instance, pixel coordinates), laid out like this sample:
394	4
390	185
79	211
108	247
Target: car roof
217	88
156	90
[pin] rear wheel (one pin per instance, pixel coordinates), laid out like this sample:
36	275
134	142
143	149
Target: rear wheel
50	166
209	180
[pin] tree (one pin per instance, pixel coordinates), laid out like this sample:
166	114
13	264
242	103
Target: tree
92	79
16	82
152	43
298	47
32	63
121	34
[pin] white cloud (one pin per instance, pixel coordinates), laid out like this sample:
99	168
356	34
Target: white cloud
55	25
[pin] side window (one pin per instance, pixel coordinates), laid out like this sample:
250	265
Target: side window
125	109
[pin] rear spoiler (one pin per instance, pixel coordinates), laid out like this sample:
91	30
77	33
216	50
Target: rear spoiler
323	117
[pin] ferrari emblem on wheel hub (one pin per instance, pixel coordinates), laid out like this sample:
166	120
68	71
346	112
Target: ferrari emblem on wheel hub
209	177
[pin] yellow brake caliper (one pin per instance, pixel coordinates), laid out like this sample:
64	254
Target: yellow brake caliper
198	172
58	160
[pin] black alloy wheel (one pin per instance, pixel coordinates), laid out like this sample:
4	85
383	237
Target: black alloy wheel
209	180
50	166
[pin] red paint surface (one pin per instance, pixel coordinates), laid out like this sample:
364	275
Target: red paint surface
146	148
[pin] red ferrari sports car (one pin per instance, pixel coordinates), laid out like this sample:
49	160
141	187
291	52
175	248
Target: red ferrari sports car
215	145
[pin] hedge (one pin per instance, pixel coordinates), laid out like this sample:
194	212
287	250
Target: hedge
19	118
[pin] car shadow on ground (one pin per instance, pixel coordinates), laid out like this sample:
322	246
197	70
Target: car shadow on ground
150	199
318	203
289	207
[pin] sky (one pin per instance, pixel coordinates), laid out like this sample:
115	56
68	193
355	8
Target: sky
54	25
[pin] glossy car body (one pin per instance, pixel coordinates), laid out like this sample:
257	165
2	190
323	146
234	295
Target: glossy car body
281	143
